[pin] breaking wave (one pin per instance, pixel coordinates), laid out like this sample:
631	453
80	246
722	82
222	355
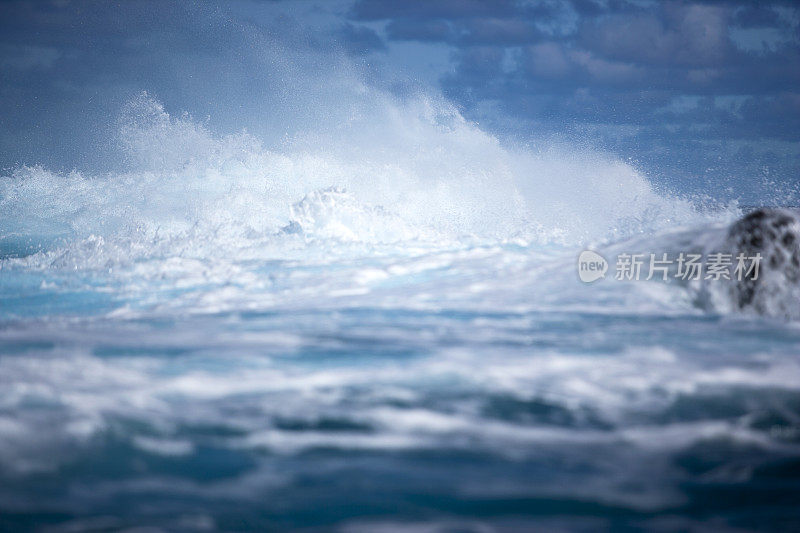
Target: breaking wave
413	171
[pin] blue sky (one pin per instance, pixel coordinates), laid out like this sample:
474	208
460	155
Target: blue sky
702	96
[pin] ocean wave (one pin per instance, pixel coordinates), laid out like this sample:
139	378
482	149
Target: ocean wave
427	174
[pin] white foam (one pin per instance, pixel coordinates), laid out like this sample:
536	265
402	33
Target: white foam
405	171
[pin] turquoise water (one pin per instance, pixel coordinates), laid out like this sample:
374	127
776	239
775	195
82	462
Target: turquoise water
478	389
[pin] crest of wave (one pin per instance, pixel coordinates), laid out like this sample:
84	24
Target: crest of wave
391	172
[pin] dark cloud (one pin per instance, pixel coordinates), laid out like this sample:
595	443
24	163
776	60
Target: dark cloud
684	87
757	16
678	35
612	66
473	31
360	40
436	30
445	9
67	68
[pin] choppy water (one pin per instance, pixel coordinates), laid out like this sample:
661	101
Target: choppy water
227	337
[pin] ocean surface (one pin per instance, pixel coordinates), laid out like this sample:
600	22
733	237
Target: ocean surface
326	337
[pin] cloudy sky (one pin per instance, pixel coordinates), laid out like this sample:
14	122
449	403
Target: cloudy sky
702	96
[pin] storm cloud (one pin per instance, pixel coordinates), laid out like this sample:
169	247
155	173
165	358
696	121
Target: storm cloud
703	96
